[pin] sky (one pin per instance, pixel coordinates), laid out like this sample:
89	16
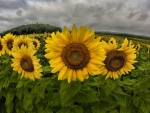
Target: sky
123	16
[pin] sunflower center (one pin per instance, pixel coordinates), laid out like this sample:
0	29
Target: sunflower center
1	46
115	60
75	55
10	44
22	43
27	64
35	44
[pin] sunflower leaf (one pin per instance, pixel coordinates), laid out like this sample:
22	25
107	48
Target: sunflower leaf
86	95
46	69
73	109
101	107
121	99
55	100
144	66
68	90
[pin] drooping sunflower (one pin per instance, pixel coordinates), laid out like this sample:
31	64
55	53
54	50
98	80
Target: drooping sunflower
2	51
36	43
22	40
119	61
76	54
26	63
8	42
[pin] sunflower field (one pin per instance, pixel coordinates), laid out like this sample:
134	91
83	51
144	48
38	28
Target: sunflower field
74	71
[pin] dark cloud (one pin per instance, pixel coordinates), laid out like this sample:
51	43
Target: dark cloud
19	12
143	16
132	14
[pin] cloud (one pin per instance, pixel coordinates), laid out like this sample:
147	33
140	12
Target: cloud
100	15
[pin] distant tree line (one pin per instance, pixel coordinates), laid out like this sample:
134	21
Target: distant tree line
32	28
123	35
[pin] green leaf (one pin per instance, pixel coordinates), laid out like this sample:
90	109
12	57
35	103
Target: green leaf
144	66
78	109
128	109
41	91
121	99
100	107
9	96
6	82
145	85
86	95
109	86
136	101
55	100
144	106
9	108
68	90
46	69
41	110
19	93
72	109
28	102
128	81
20	84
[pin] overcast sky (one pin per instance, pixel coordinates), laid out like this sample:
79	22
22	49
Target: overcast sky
125	16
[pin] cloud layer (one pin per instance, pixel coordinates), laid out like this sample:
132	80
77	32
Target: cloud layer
130	16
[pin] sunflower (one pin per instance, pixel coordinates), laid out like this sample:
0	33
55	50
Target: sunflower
36	43
75	55
148	48
8	42
26	63
2	51
118	61
22	40
112	40
137	47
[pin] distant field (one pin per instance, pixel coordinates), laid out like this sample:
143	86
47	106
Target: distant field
136	39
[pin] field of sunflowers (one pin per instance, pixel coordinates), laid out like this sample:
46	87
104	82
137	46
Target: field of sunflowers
74	71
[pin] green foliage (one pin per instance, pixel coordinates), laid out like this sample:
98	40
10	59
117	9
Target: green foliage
32	28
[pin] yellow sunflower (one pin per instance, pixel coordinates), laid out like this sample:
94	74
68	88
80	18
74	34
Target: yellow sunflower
22	40
26	63
2	51
76	54
118	61
8	42
138	46
148	48
36	43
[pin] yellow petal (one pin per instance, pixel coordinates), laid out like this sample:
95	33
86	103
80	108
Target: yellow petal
80	75
85	73
74	75
97	62
74	33
63	73
55	61
70	73
58	68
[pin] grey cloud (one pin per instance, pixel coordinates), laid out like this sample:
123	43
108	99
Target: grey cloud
12	4
19	12
100	15
143	16
132	14
2	18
